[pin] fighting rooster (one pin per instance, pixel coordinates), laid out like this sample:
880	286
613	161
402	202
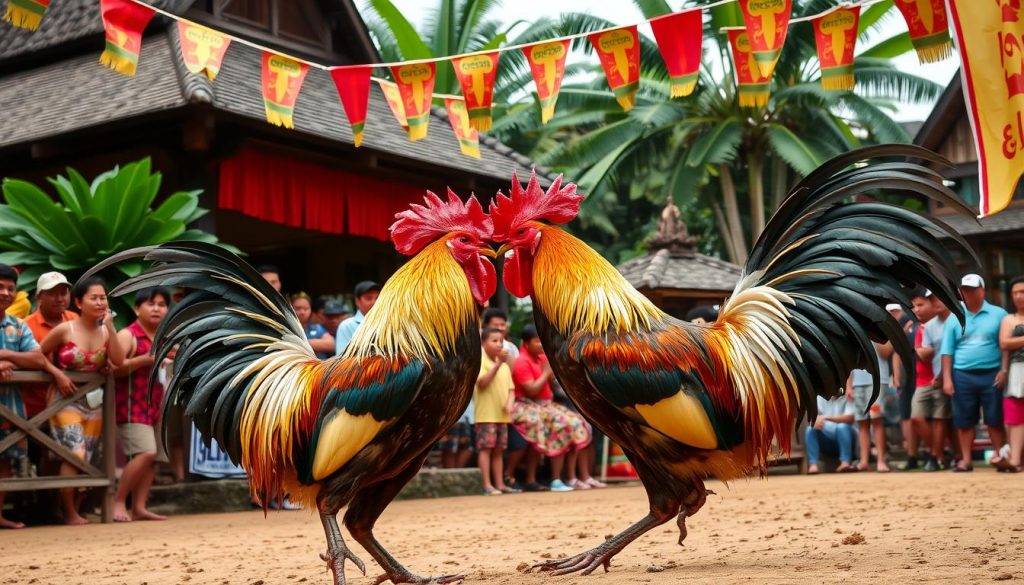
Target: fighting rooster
686	402
351	430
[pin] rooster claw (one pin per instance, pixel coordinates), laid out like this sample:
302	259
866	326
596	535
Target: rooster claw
410	578
332	559
586	562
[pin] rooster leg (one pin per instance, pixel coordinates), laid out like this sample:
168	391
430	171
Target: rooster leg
602	554
362	514
337	551
695	501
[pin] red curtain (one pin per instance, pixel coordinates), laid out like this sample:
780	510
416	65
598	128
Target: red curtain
309	196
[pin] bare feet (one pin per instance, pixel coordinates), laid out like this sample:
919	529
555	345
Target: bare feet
845	468
812	469
11	524
883	467
120	513
144	514
75	520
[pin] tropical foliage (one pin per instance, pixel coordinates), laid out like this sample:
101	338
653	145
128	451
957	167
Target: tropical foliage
91	221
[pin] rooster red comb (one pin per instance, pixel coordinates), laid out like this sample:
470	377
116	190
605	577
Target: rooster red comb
419	225
558	205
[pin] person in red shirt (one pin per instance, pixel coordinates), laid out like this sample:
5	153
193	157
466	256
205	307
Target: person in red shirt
550	428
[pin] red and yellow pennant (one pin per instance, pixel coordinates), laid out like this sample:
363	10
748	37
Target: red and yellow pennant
767	24
353	85
394	99
679	38
990	37
835	35
469	137
281	79
929	28
123	23
476	74
202	49
416	85
619	51
26	14
752	86
547	63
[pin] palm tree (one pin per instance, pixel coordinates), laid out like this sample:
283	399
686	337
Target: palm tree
705	146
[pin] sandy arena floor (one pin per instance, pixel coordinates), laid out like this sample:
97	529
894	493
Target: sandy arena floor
963	528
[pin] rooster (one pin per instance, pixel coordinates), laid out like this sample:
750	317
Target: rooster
686	402
351	430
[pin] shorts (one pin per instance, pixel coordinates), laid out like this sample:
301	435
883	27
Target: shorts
491	436
137	438
516	442
458	438
1013	410
931	403
974	390
861	400
906	402
11	398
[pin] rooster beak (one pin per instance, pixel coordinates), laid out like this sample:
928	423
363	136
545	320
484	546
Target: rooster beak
488	251
503	249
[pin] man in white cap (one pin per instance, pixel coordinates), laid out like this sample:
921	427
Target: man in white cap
53	296
972	372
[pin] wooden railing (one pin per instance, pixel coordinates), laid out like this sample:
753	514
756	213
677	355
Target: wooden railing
90	476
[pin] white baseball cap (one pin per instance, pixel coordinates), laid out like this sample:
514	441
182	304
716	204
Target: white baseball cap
50	280
972	281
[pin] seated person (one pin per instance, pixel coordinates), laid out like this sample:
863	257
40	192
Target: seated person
834	433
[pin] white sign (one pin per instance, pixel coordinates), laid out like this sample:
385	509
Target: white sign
211	461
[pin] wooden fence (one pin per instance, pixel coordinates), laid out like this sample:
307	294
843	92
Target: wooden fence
90	476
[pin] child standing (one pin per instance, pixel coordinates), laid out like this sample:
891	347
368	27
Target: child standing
493	397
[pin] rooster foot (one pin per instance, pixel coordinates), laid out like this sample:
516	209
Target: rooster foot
406	577
586	562
689	510
335	558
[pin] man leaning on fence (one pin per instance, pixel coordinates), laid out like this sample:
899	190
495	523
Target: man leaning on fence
18	351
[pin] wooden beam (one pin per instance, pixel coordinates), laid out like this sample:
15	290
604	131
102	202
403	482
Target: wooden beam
62	451
24	484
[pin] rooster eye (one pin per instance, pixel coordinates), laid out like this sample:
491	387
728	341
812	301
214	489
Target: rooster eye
521	232
464	240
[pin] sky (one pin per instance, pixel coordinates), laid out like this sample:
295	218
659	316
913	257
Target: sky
624	12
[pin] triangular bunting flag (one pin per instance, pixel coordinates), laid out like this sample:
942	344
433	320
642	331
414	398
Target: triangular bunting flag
202	49
619	51
767	24
26	14
476	74
929	28
835	35
415	83
282	79
547	63
679	38
123	23
394	99
458	115
353	85
752	87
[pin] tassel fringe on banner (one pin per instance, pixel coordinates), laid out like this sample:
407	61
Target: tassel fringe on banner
27	14
123	62
934	48
753	96
683	86
837	79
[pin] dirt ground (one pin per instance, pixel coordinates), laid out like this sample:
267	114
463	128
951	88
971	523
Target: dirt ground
963	528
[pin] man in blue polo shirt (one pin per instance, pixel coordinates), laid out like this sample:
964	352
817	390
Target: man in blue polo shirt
972	371
366	296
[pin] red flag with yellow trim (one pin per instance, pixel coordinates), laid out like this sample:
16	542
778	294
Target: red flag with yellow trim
547	63
767	24
281	79
394	99
469	137
123	23
988	36
202	49
476	74
416	85
679	37
835	35
353	85
752	87
929	28
619	51
26	14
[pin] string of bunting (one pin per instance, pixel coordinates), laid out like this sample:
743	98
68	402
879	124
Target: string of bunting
679	36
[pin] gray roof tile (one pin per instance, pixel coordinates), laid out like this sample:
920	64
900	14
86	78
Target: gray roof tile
1008	220
663	270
